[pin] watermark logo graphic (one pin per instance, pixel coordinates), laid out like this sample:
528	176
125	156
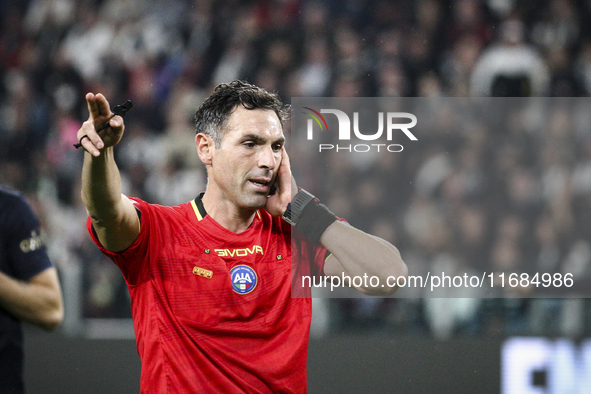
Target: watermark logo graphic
390	122
315	117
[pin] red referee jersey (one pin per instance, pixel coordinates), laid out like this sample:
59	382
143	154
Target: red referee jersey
212	309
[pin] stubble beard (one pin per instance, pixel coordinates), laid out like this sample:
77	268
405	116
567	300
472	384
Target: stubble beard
248	199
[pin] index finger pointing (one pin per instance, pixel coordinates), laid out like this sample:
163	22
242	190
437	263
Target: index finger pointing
93	109
103	105
97	105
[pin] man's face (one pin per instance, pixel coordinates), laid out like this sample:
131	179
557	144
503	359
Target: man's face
245	165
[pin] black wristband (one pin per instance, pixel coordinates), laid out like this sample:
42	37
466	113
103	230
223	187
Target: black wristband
311	219
296	206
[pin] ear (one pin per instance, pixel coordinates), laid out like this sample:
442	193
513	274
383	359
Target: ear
205	148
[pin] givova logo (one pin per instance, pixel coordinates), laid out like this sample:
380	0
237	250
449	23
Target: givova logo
392	120
244	279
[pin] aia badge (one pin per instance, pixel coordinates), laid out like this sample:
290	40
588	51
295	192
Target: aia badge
244	279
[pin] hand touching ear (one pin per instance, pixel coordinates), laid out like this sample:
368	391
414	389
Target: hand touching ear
285	188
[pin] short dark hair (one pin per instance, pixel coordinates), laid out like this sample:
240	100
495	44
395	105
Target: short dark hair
217	108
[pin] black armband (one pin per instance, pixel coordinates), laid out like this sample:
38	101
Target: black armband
308	216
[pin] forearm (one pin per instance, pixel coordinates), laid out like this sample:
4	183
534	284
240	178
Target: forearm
38	303
114	218
101	186
360	254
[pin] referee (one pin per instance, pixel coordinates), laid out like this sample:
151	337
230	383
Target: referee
209	279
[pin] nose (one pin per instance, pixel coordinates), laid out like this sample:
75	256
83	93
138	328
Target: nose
268	158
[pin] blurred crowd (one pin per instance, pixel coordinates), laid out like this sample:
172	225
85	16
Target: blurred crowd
494	185
502	196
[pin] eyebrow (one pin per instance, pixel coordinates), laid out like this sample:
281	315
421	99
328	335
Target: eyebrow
261	140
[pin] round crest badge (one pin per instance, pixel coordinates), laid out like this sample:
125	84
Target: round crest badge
244	279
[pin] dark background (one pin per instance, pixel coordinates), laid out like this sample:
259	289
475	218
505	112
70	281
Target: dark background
336	364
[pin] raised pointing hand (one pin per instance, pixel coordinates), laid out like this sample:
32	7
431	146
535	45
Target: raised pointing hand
100	113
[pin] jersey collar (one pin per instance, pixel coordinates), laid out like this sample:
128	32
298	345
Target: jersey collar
200	212
197	205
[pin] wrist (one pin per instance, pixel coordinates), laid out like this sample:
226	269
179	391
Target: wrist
308	216
104	154
294	209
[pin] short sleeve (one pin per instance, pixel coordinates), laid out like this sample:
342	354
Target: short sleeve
133	261
27	254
